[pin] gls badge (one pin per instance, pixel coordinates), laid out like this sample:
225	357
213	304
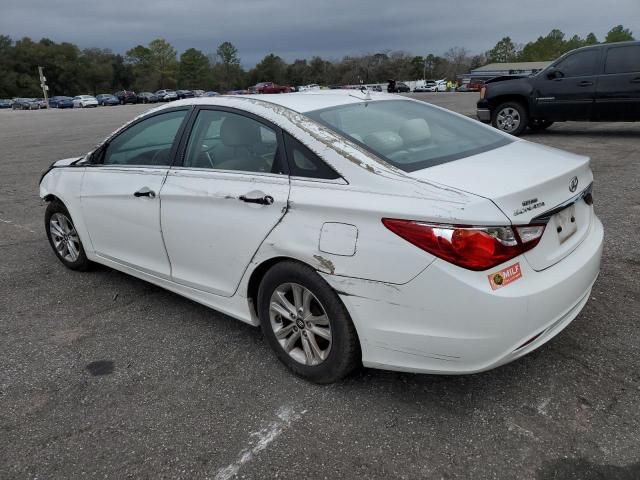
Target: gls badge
573	184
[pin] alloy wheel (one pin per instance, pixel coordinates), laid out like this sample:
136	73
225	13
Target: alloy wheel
508	119
65	237
300	324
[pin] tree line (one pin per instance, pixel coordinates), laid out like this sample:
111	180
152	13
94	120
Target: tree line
72	71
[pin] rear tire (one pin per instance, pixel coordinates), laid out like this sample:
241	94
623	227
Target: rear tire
317	339
63	237
510	117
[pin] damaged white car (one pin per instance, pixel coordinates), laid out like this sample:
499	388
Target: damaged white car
354	228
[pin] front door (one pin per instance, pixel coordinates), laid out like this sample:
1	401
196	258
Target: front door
221	203
618	95
569	94
119	195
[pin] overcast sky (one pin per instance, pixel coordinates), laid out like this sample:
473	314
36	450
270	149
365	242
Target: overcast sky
298	29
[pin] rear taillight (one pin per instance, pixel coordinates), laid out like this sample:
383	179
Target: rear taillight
473	248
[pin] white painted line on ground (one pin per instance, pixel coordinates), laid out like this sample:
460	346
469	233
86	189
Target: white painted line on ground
286	416
9	222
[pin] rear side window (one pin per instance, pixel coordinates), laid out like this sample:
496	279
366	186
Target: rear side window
579	64
623	59
304	163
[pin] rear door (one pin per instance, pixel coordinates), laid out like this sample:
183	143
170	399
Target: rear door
119	194
618	93
570	94
229	192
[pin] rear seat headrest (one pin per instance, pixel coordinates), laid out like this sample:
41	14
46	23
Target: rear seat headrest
415	132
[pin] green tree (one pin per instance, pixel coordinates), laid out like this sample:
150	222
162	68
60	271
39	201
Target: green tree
504	51
194	70
155	66
591	39
97	69
545	48
227	72
619	34
271	69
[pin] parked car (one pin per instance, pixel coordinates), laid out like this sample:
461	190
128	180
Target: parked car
41	103
61	102
84	101
184	94
428	86
105	99
269	87
418	209
397	87
198	93
166	95
5	103
25	104
475	85
305	88
595	83
210	93
126	96
441	86
147	97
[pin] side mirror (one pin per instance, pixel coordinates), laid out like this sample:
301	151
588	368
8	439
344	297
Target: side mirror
554	74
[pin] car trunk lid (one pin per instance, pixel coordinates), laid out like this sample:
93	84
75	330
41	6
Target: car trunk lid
530	183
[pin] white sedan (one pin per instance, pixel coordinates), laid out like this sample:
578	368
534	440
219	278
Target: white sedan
84	101
354	228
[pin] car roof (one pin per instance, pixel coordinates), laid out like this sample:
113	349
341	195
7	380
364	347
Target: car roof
302	102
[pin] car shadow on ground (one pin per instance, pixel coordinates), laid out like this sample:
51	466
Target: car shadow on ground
586	132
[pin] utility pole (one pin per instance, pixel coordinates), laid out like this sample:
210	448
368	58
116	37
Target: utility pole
43	84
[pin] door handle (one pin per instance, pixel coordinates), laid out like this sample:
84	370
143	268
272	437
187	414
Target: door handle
266	200
145	192
585	83
635	80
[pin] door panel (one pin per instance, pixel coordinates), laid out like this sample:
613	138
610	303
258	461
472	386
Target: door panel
571	95
124	227
219	206
618	93
210	234
119	194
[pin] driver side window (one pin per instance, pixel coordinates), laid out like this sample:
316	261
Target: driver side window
147	142
579	64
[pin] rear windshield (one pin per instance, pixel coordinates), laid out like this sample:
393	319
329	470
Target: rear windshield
410	135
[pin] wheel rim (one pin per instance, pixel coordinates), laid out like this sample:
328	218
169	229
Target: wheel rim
300	323
508	119
64	236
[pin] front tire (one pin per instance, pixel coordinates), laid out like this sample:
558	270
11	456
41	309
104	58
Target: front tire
510	117
306	324
63	237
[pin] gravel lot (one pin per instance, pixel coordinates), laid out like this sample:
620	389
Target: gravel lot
105	376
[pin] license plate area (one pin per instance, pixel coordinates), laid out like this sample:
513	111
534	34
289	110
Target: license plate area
565	223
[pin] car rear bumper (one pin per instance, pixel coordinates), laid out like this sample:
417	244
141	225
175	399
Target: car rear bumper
449	320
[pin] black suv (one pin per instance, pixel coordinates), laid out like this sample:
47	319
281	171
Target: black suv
599	83
126	96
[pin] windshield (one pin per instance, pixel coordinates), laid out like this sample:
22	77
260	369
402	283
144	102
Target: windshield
410	135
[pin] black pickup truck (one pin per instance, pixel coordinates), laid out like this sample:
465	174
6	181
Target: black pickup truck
599	83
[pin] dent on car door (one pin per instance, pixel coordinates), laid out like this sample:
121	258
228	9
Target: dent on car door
119	195
220	204
567	90
618	94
